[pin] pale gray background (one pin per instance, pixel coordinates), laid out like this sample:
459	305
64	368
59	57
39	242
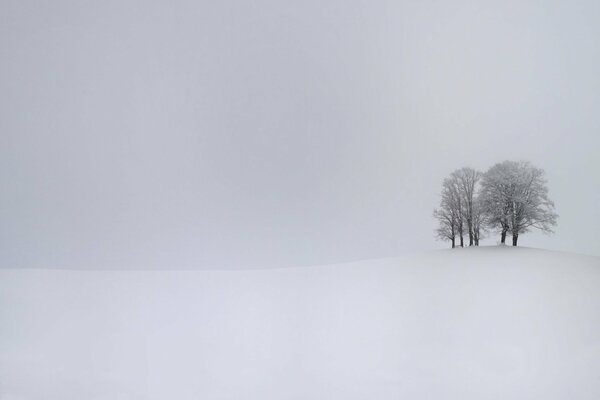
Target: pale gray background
190	134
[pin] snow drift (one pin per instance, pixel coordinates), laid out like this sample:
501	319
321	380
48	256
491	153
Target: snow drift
484	323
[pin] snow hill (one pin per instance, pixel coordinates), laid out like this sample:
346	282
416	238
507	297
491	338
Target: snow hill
483	323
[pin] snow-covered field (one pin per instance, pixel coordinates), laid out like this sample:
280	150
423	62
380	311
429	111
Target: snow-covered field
486	323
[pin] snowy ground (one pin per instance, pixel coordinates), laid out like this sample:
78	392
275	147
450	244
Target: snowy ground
487	323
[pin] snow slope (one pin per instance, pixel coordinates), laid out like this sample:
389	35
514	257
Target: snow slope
486	323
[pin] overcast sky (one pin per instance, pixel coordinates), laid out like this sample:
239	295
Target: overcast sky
213	134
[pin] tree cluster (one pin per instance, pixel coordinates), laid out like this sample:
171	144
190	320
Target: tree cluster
511	197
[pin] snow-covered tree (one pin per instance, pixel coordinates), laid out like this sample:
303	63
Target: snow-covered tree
515	199
479	221
495	197
531	206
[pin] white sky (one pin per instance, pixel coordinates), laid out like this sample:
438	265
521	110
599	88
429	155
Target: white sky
192	134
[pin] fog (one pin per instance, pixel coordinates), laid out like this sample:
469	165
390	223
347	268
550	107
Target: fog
238	134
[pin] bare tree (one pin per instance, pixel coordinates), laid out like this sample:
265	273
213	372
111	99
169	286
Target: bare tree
447	226
465	180
450	213
515	198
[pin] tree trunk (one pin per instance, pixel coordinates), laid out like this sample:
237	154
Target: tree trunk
515	238
470	237
453	243
503	237
461	241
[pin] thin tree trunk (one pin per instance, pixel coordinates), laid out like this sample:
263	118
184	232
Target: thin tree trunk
453	243
515	238
503	237
461	241
470	237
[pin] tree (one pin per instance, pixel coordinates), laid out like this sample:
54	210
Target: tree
465	180
479	221
515	198
447	227
531	206
496	194
450	213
